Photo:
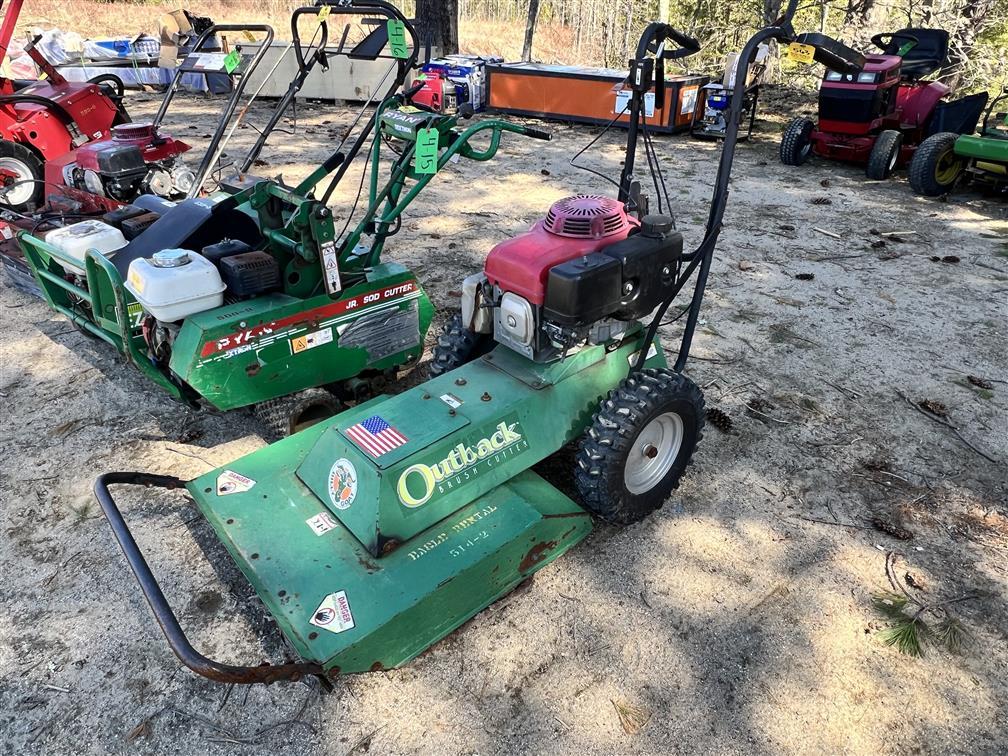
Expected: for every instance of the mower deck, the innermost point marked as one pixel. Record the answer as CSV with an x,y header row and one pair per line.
x,y
396,605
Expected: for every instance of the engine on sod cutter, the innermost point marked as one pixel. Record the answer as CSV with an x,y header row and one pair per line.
x,y
254,297
372,535
879,114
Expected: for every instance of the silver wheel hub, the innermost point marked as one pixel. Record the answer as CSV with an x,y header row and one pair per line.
x,y
653,453
18,193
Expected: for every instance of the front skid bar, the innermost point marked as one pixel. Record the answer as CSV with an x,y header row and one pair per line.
x,y
217,671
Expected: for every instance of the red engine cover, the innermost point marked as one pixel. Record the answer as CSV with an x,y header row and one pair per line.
x,y
575,226
153,146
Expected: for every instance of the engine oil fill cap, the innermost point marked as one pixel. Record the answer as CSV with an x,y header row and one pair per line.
x,y
170,258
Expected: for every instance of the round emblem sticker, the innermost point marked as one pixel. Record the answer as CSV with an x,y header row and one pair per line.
x,y
342,483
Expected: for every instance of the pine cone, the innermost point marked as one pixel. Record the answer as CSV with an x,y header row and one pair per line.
x,y
719,419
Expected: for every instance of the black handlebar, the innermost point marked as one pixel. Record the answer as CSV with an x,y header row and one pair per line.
x,y
180,644
537,134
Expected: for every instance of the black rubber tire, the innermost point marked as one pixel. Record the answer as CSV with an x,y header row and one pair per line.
x,y
33,164
796,143
604,449
924,166
456,346
289,414
884,155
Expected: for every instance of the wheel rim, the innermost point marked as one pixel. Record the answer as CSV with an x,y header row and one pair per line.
x,y
653,453
947,168
893,158
21,193
806,149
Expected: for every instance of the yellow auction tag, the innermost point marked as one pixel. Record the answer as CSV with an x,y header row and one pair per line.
x,y
801,53
323,13
249,36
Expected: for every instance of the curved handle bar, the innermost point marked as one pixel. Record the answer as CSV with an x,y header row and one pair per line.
x,y
353,8
201,41
652,42
296,38
173,632
700,259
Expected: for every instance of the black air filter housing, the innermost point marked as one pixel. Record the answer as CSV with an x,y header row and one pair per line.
x,y
120,214
120,160
136,225
625,280
582,290
227,248
250,273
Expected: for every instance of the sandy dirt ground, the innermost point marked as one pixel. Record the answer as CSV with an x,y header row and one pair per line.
x,y
737,619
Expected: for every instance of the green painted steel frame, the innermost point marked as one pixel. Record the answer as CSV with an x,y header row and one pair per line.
x,y
105,297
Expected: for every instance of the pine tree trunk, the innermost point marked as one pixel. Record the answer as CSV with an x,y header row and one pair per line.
x,y
437,21
530,23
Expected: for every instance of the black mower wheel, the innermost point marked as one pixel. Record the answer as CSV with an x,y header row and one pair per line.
x,y
456,346
639,444
289,414
935,167
796,144
25,192
884,155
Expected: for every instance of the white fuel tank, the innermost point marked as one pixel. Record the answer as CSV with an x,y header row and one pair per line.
x,y
175,283
74,240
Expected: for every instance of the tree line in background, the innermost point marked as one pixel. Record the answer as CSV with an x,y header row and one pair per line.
x,y
604,32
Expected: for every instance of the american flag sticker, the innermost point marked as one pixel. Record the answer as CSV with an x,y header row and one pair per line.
x,y
375,436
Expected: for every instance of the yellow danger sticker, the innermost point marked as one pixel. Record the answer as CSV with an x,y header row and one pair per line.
x,y
801,53
311,340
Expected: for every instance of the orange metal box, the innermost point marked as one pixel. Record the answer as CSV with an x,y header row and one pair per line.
x,y
586,95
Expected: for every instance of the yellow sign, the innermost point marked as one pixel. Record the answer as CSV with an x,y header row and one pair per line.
x,y
299,344
323,13
249,35
801,53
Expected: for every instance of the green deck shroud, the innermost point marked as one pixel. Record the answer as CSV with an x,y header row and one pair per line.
x,y
458,552
982,148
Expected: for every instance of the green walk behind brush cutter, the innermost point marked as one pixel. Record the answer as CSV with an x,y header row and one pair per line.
x,y
253,296
373,534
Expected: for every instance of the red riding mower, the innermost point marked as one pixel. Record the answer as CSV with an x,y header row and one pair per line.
x,y
880,115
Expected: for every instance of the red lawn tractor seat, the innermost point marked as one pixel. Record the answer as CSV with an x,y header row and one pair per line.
x,y
928,55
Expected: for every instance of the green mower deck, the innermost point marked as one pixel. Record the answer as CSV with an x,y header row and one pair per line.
x,y
365,562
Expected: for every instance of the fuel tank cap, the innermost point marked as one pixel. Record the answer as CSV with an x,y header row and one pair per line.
x,y
656,225
170,258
